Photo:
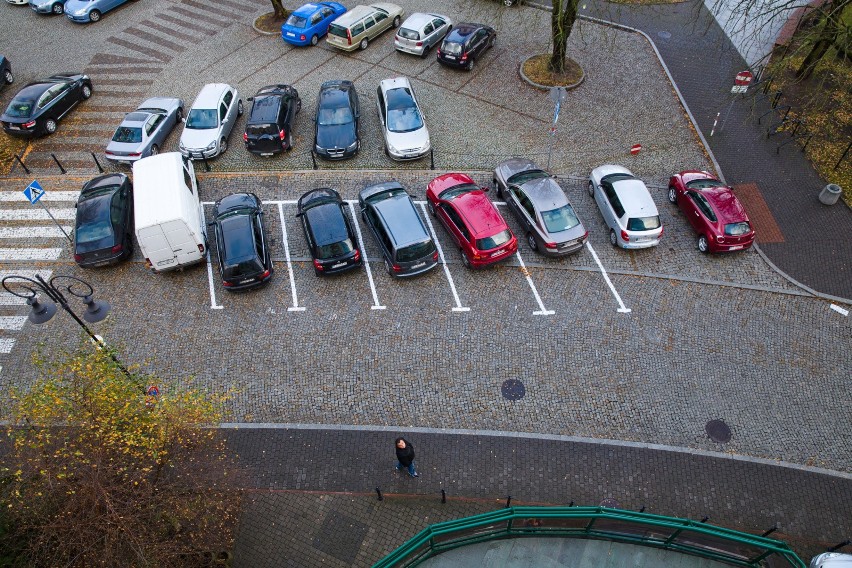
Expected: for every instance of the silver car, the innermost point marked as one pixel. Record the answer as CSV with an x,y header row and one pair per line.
x,y
538,203
143,132
421,32
831,560
210,121
403,126
626,207
48,6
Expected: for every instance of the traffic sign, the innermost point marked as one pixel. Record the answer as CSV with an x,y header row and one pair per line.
x,y
34,192
635,149
742,81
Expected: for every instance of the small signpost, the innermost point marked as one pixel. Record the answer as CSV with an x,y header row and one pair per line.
x,y
558,96
34,193
152,396
742,81
635,149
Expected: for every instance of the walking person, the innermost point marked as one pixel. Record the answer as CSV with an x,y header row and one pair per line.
x,y
405,456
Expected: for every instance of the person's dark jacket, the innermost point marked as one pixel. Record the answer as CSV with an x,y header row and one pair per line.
x,y
406,454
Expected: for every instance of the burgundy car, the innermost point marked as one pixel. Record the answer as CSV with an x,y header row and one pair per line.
x,y
473,222
713,210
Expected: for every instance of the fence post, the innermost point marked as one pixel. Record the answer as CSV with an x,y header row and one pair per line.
x,y
839,545
379,493
55,159
432,158
26,169
705,519
771,530
837,165
642,509
776,98
508,501
443,496
206,163
314,160
97,163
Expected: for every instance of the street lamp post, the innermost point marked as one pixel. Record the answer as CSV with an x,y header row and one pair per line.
x,y
42,312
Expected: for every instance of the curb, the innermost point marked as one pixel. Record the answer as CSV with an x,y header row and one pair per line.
x,y
545,87
260,31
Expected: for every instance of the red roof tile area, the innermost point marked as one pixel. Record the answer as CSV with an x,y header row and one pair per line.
x,y
759,214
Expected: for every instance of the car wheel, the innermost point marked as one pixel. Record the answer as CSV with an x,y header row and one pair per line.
x,y
154,150
496,187
425,52
388,267
430,208
8,77
364,43
289,141
314,41
86,91
508,3
703,245
57,8
50,125
491,41
531,241
240,107
396,22
465,260
129,240
223,145
613,238
179,115
298,106
470,65
591,189
94,16
672,195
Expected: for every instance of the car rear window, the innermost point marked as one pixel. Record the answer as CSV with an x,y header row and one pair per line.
x,y
521,178
643,223
261,129
415,251
296,21
243,268
127,135
20,108
337,30
560,219
334,250
457,190
737,229
408,34
452,48
494,241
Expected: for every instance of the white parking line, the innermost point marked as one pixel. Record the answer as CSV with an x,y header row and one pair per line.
x,y
295,307
376,305
6,346
12,322
622,308
840,310
48,196
35,214
213,304
458,307
8,254
33,232
543,311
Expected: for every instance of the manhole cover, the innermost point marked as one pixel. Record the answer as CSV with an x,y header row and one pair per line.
x,y
513,389
610,503
664,35
718,431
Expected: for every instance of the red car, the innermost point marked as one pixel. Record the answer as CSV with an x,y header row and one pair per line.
x,y
713,210
473,222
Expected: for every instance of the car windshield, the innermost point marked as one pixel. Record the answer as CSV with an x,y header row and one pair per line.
x,y
521,178
297,21
334,250
202,119
494,241
415,251
334,116
643,223
561,219
127,134
403,114
94,227
20,108
737,229
408,34
452,48
456,190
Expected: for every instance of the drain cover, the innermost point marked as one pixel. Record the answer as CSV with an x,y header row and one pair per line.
x,y
513,389
610,503
718,431
664,35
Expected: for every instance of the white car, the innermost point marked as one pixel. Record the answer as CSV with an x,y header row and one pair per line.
x,y
403,126
210,121
831,560
626,206
421,32
18,2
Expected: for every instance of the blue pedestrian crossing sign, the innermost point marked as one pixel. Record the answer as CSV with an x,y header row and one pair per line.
x,y
34,192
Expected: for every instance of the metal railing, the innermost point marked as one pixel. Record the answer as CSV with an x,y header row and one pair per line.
x,y
639,528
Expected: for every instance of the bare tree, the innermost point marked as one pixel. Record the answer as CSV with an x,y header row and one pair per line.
x,y
280,12
828,31
562,20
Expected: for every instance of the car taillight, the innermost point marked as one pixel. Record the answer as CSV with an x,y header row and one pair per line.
x,y
227,284
303,37
419,44
357,256
585,236
439,51
245,136
117,248
463,57
662,230
135,154
396,268
317,264
435,256
282,134
550,245
78,257
29,124
624,236
265,275
200,248
349,36
477,256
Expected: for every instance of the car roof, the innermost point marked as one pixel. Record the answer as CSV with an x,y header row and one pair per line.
x,y
242,246
264,108
545,193
335,95
635,197
725,203
481,215
418,20
210,94
461,31
33,91
307,9
327,223
401,220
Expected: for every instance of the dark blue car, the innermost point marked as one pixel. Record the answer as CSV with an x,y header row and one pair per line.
x,y
310,22
38,107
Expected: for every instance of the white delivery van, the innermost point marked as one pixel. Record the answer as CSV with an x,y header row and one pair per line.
x,y
168,214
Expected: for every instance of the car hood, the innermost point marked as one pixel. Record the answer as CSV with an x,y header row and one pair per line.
x,y
195,138
407,140
336,136
727,206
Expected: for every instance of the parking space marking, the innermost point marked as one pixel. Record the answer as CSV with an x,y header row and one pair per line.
x,y
18,196
33,232
12,322
35,214
213,304
376,305
295,307
839,310
13,254
6,346
542,311
622,308
458,307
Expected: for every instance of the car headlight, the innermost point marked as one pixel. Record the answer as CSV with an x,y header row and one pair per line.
x,y
352,146
181,146
80,12
392,149
211,146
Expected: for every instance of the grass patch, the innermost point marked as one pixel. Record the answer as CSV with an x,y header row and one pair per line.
x,y
269,23
535,68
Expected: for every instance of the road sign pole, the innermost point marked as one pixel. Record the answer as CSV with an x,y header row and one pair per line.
x,y
67,236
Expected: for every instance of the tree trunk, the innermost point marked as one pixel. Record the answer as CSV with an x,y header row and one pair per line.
x,y
561,22
827,36
280,12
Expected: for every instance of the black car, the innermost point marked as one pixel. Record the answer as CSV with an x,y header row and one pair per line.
x,y
465,44
38,107
103,230
6,72
244,257
270,122
337,121
328,232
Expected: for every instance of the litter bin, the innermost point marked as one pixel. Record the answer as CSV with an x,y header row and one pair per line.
x,y
830,194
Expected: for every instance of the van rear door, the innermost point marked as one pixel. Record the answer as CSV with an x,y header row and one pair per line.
x,y
156,248
183,243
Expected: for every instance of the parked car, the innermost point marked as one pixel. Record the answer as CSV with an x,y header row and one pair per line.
x,y
269,128
328,231
534,197
38,107
831,560
421,32
362,24
713,210
89,10
307,24
407,248
6,72
465,44
48,6
144,131
103,228
244,257
210,121
626,206
403,127
337,121
17,2
473,222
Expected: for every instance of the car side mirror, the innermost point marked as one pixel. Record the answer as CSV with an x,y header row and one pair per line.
x,y
250,99
224,120
183,119
298,214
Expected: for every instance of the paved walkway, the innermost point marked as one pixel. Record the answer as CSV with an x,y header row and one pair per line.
x,y
316,504
812,245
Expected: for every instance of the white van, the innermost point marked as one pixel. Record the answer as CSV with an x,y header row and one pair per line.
x,y
168,214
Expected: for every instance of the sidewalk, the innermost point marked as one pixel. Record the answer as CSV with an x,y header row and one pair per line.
x,y
812,244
